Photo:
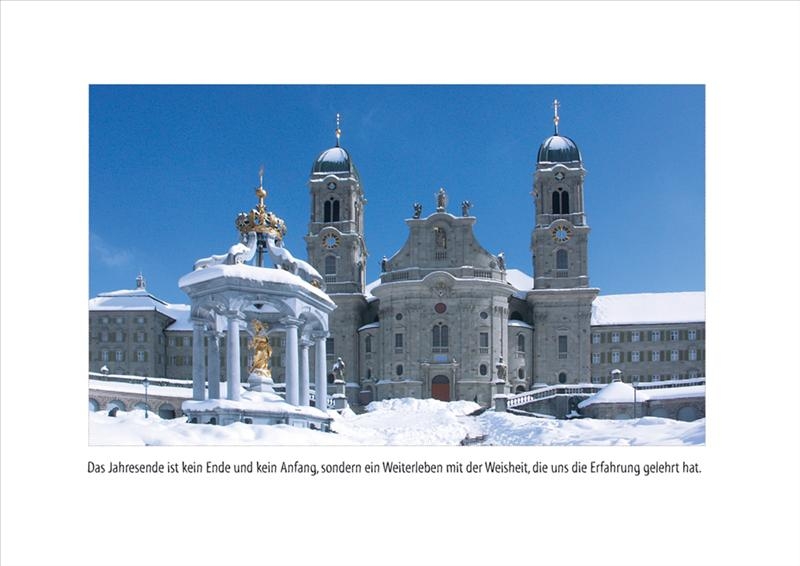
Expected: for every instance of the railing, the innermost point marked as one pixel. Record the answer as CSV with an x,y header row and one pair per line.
x,y
552,391
590,389
329,403
562,272
671,383
138,379
483,273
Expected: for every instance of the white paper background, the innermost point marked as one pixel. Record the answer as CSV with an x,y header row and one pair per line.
x,y
745,509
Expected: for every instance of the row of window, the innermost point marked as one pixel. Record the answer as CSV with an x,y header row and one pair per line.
x,y
692,374
120,320
483,369
616,337
653,356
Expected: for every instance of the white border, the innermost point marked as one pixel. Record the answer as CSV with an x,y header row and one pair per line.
x,y
744,510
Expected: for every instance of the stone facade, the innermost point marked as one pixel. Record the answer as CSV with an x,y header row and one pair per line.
x,y
446,315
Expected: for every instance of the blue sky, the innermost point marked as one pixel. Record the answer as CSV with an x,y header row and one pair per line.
x,y
171,166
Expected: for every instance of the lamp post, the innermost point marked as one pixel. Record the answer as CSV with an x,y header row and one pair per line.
x,y
145,382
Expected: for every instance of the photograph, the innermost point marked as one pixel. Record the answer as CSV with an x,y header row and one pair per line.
x,y
464,264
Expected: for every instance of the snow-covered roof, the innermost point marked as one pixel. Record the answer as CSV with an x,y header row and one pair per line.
x,y
615,392
250,273
520,280
649,308
141,300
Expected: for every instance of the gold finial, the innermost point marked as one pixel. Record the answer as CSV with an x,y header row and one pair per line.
x,y
556,104
260,192
338,129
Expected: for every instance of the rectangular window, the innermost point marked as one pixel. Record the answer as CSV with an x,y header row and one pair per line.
x,y
103,320
614,357
655,356
118,357
674,335
139,320
104,336
656,377
329,347
595,358
674,356
104,355
615,337
118,320
141,356
398,342
596,379
635,378
636,356
693,354
483,342
172,341
693,335
635,336
119,336
693,374
655,336
562,347
595,338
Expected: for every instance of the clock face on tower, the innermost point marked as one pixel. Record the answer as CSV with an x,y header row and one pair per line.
x,y
331,185
561,233
330,241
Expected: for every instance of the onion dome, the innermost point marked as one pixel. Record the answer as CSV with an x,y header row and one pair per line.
x,y
558,149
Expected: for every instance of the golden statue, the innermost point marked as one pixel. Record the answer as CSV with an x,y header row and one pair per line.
x,y
262,351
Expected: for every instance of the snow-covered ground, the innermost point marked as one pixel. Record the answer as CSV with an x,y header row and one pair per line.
x,y
400,422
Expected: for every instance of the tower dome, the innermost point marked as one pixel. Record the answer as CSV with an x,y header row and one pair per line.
x,y
558,149
333,160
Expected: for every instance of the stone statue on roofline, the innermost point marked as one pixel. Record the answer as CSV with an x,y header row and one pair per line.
x,y
465,206
441,200
338,369
417,210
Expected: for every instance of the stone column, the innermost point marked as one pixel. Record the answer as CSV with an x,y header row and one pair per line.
x,y
198,363
213,366
292,370
321,371
305,343
232,361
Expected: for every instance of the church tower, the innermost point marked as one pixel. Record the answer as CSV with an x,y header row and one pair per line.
x,y
561,297
337,249
335,239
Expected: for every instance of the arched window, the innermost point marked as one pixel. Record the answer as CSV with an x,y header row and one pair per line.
x,y
399,369
520,342
335,212
556,203
521,373
564,202
483,369
441,338
330,265
562,259
369,373
562,377
441,238
326,211
368,344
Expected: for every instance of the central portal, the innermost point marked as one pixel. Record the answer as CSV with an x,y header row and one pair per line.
x,y
440,388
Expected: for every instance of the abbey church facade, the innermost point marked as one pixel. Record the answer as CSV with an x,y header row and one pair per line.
x,y
447,317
